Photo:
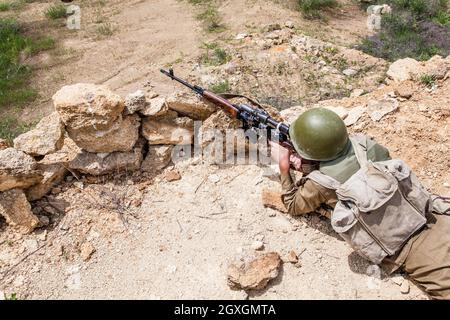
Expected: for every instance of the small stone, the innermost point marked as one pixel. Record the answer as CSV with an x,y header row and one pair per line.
x,y
289,24
156,107
241,36
42,236
255,274
404,69
16,209
86,251
397,279
422,108
31,245
257,245
172,175
18,281
171,269
214,178
377,109
59,250
446,184
404,92
44,221
349,72
357,93
354,115
292,257
272,199
405,287
4,145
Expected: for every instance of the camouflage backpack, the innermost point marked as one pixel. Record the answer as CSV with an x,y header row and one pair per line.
x,y
380,206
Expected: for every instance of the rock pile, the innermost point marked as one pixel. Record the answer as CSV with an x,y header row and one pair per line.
x,y
93,131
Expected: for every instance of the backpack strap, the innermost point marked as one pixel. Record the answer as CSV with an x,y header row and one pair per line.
x,y
359,143
440,205
323,180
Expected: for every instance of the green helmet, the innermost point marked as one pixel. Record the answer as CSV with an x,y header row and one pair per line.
x,y
319,134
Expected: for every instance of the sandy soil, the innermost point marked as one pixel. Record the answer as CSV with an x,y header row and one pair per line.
x,y
155,239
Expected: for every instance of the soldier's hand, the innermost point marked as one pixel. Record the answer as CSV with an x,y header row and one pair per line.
x,y
296,162
281,155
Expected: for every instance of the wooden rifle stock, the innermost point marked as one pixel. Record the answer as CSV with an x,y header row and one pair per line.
x,y
225,104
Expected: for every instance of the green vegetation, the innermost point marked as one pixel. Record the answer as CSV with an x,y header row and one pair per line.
x,y
10,128
209,16
427,80
56,11
5,6
14,47
312,8
214,55
220,87
211,19
416,28
105,29
13,296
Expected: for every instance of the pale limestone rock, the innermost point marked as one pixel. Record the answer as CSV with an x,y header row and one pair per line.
x,y
67,153
168,130
377,109
158,157
272,199
86,251
156,107
16,209
255,274
17,170
53,174
290,114
134,102
100,164
47,137
85,106
404,69
188,104
121,137
353,115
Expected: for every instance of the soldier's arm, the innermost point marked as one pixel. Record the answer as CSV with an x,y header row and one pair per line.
x,y
305,196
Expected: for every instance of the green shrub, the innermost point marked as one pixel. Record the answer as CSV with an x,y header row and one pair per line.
x,y
5,6
211,19
105,29
10,128
214,55
220,87
312,8
56,11
427,80
416,28
14,75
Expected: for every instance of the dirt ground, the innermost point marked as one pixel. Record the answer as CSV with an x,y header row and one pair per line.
x,y
154,239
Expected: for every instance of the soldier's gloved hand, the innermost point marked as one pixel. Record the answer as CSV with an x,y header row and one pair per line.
x,y
280,155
